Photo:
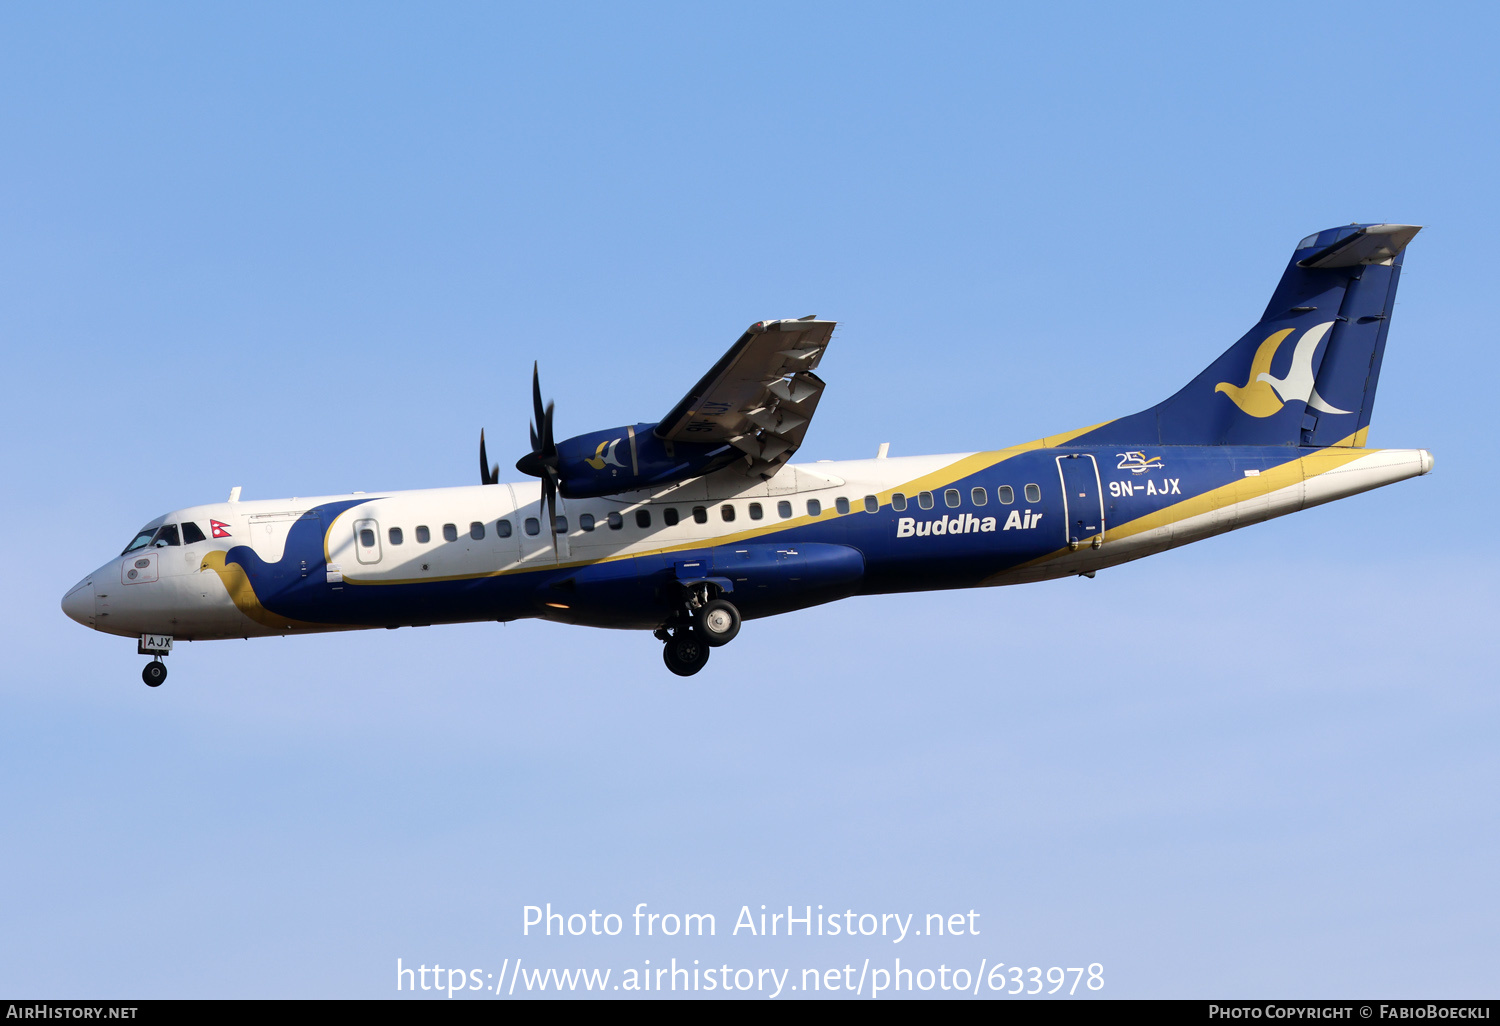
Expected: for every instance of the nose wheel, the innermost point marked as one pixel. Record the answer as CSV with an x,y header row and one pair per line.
x,y
154,673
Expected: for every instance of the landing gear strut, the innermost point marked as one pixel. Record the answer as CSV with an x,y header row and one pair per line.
x,y
154,673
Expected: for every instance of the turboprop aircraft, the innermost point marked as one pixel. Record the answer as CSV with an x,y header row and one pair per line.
x,y
691,524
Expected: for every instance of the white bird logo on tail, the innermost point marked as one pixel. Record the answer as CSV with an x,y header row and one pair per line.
x,y
1298,383
1256,396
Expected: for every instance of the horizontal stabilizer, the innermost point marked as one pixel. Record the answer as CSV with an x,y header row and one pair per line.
x,y
1372,244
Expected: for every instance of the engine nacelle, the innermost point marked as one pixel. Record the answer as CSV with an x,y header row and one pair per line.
x,y
625,458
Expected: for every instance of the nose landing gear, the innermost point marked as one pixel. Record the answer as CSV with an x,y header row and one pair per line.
x,y
155,646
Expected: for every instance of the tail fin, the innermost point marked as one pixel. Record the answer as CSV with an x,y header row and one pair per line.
x,y
1306,374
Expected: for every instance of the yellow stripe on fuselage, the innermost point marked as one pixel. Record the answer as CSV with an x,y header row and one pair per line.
x,y
1289,473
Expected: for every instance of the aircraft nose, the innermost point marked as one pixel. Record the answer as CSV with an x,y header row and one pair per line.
x,y
79,602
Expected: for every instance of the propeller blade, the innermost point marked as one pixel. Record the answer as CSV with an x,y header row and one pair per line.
x,y
549,496
539,415
487,474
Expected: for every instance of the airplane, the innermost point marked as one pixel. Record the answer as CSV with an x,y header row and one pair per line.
x,y
689,526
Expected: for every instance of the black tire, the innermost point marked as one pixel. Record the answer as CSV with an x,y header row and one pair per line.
x,y
685,653
154,673
719,621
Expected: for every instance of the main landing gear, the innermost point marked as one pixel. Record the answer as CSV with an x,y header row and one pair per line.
x,y
704,625
685,651
719,621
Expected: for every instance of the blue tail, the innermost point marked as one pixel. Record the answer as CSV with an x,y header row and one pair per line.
x,y
1306,374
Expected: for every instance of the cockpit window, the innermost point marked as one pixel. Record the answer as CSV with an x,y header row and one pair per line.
x,y
166,535
142,539
192,533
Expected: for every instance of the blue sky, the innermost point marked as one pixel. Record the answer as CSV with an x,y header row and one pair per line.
x,y
307,250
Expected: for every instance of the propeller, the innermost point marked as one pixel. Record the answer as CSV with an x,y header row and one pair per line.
x,y
542,460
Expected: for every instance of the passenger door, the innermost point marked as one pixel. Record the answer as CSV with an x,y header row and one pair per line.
x,y
1083,500
367,542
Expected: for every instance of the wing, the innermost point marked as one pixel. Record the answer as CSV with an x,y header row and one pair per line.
x,y
759,397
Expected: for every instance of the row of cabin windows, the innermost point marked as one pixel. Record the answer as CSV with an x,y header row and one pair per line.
x,y
953,498
615,521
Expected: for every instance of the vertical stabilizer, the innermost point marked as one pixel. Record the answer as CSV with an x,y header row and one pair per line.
x,y
1306,374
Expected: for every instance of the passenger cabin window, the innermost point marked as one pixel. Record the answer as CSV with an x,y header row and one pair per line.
x,y
586,521
784,510
423,535
1007,495
924,499
616,521
191,533
476,531
166,535
872,504
502,528
898,501
669,516
450,532
841,504
951,498
533,526
643,518
396,536
700,514
727,512
756,512
979,495
367,537
560,524
814,508
1033,493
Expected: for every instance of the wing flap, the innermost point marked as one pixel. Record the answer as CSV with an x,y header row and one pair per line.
x,y
759,397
